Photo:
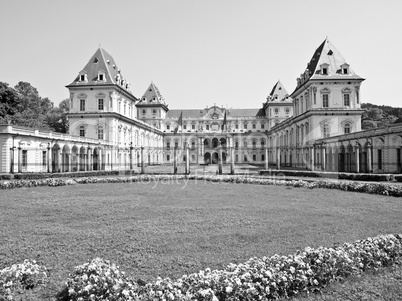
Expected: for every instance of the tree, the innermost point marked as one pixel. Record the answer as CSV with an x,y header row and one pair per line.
x,y
57,117
8,102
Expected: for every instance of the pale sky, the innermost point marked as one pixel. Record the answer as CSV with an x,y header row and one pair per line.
x,y
198,53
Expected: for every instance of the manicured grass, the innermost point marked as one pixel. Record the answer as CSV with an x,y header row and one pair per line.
x,y
171,228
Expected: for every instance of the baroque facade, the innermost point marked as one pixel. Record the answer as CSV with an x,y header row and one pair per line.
x,y
317,126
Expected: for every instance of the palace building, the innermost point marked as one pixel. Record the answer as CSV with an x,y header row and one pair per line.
x,y
317,126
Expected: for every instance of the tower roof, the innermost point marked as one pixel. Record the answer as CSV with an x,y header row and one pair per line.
x,y
152,95
326,56
101,62
278,93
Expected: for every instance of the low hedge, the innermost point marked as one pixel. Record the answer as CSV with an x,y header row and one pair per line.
x,y
372,188
267,278
43,175
333,175
6,176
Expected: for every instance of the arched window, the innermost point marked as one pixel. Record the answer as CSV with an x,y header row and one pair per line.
x,y
347,128
82,131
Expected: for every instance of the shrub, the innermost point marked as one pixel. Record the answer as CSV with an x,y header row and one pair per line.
x,y
100,280
266,278
18,277
5,176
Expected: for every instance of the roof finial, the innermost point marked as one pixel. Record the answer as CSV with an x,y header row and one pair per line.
x,y
99,45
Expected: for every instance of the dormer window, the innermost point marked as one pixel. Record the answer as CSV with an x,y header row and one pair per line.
x,y
83,77
101,76
345,68
324,69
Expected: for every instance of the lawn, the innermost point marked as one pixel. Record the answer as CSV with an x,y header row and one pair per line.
x,y
171,228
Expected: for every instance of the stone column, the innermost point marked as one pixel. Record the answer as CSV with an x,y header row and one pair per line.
x,y
357,157
187,159
312,154
220,159
175,160
278,158
323,164
48,158
142,160
369,159
89,161
19,159
266,159
232,160
12,159
131,157
100,158
68,157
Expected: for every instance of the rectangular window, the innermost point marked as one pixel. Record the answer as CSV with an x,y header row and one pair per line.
x,y
82,104
176,144
193,144
44,158
100,104
207,127
167,145
262,157
167,157
24,158
193,126
82,132
237,144
325,100
237,158
398,157
101,77
184,127
236,126
245,126
168,127
262,126
379,154
254,126
346,100
71,104
124,112
245,158
100,133
254,157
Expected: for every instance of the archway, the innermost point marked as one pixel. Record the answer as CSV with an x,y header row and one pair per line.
x,y
207,158
223,142
56,158
341,159
82,158
95,159
206,143
215,158
66,158
223,157
215,143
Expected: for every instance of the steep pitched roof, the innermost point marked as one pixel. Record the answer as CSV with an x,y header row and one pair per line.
x,y
152,95
278,93
189,113
101,61
326,54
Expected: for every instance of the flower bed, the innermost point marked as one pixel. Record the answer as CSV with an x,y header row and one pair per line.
x,y
333,175
372,188
266,278
20,277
